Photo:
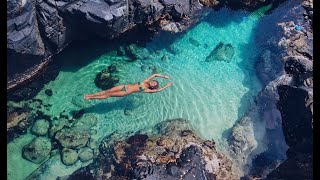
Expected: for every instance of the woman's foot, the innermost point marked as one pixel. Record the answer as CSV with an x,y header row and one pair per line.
x,y
86,97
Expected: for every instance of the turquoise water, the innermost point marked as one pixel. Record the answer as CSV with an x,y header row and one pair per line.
x,y
211,95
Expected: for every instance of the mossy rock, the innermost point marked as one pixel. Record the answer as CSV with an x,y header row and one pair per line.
x,y
40,127
85,154
37,150
69,156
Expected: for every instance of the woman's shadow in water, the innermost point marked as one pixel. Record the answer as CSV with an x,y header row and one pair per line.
x,y
106,107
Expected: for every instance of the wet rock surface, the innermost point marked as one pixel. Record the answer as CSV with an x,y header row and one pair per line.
x,y
46,27
295,105
292,92
174,152
285,67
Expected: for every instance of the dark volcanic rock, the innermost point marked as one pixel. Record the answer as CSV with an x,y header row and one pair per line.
x,y
296,111
250,4
22,29
163,156
36,30
296,99
294,105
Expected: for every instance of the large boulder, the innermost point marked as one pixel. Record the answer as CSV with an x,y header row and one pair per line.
x,y
295,105
40,127
69,156
72,138
37,150
222,52
298,65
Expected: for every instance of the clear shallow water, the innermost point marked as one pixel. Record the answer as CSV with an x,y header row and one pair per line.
x,y
212,95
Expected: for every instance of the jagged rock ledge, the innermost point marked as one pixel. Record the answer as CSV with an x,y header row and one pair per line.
x,y
174,152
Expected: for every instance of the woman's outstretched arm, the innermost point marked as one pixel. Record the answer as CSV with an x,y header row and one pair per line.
x,y
155,75
158,90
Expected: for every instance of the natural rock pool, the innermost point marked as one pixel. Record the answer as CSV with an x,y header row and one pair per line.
x,y
211,92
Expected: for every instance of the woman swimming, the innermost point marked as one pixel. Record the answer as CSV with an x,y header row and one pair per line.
x,y
146,86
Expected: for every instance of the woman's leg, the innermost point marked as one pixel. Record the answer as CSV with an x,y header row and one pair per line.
x,y
111,94
103,93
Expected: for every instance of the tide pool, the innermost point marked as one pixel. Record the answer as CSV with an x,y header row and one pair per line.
x,y
211,95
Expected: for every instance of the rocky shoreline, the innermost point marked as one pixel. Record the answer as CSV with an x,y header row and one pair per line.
x,y
37,30
175,152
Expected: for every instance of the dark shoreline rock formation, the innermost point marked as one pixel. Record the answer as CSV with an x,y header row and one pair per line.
x,y
285,68
37,30
173,153
293,92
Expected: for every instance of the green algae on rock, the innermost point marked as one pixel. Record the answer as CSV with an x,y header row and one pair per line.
x,y
69,156
40,127
37,150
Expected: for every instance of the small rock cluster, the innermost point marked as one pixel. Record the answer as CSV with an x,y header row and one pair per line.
x,y
72,139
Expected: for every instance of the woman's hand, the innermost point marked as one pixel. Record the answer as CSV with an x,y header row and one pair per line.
x,y
169,84
167,77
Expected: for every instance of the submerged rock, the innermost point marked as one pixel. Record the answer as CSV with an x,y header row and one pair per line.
x,y
134,52
167,155
194,42
105,79
57,125
72,138
222,52
85,154
40,127
48,92
86,122
165,58
37,150
69,156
